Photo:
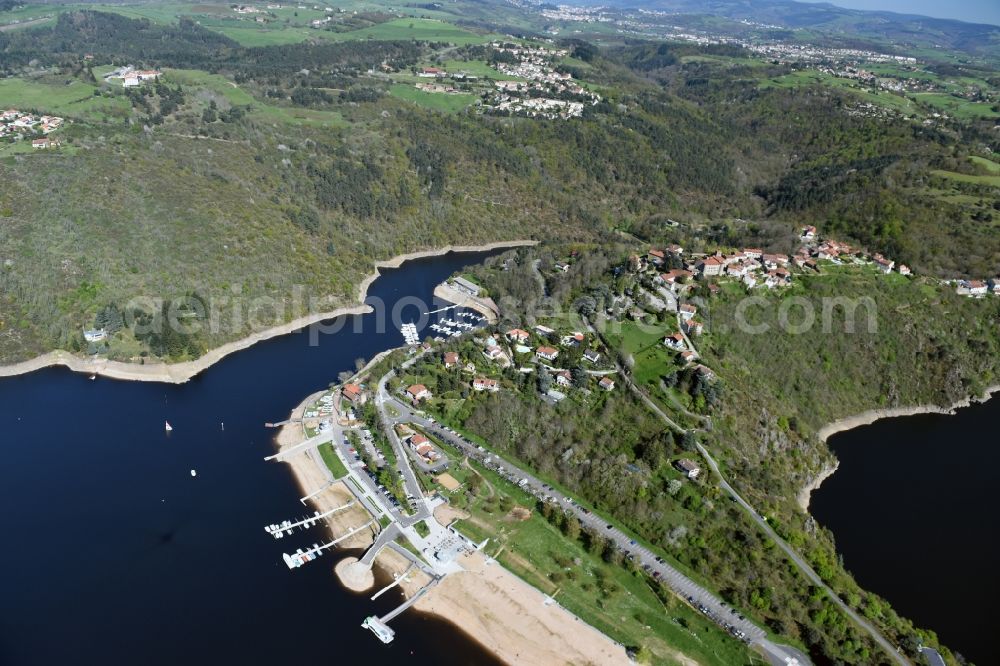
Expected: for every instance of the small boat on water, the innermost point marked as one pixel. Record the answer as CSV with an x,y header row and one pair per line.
x,y
93,377
167,426
194,473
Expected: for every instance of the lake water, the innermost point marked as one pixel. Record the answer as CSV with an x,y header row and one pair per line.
x,y
112,553
913,508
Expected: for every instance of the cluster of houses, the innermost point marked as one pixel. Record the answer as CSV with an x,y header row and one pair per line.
x,y
815,248
544,92
16,124
756,268
438,88
978,288
131,77
751,266
518,344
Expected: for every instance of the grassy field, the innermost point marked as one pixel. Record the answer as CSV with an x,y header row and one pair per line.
x,y
473,67
989,165
417,29
253,36
956,106
69,99
216,83
644,343
437,101
811,77
332,461
622,604
992,181
236,96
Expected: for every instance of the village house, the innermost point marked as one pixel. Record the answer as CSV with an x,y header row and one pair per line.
x,y
736,270
655,257
493,353
753,253
734,258
592,356
606,383
547,353
564,378
675,341
994,285
636,263
688,467
485,384
710,266
977,288
714,289
450,359
353,394
808,232
518,335
687,311
705,371
693,327
41,143
418,392
675,249
884,265
432,72
772,261
572,340
674,276
688,356
423,448
903,269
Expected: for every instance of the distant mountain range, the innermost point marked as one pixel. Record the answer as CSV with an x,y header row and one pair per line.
x,y
903,30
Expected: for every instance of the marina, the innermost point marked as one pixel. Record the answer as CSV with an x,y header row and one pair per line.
x,y
286,527
300,557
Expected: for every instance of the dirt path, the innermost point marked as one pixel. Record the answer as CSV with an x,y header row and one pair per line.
x,y
488,485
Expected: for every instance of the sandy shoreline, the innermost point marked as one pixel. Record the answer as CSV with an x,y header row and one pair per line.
x,y
488,603
807,490
178,373
873,415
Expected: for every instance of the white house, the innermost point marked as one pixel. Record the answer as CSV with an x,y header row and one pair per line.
x,y
547,353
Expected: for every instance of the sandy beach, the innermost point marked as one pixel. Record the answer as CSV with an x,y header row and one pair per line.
x,y
490,604
178,373
509,618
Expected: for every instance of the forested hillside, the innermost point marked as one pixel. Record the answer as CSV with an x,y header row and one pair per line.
x,y
302,159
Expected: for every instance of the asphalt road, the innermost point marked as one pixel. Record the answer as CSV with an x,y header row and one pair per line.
x,y
697,596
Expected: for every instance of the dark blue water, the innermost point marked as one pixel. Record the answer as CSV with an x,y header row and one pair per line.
x,y
112,553
913,509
